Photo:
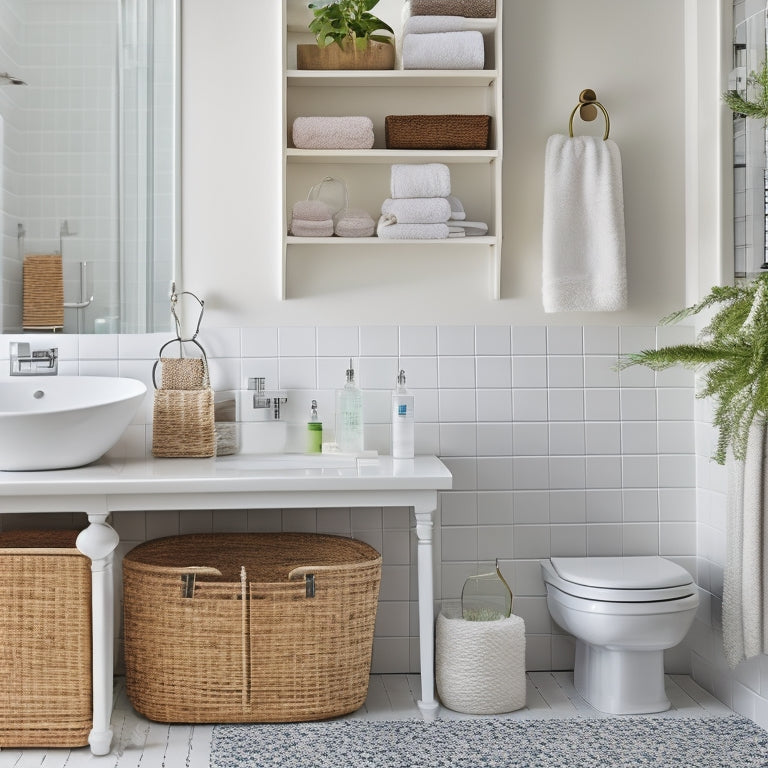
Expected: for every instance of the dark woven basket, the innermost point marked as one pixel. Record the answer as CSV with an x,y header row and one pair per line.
x,y
437,131
45,630
223,628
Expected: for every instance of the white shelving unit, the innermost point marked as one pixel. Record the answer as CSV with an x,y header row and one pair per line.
x,y
475,174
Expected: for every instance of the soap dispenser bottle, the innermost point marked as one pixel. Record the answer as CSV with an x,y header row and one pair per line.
x,y
402,420
349,415
314,431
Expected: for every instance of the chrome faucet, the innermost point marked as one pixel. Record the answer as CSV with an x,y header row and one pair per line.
x,y
264,399
28,362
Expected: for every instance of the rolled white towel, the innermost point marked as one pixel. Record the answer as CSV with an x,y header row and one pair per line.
x,y
420,25
333,133
416,210
444,50
421,180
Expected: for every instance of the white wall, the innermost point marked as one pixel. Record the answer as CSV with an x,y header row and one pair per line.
x,y
553,49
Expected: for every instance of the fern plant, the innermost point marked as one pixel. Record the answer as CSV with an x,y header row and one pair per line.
x,y
338,20
732,354
757,108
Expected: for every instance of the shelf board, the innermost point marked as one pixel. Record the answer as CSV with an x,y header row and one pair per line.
x,y
391,77
377,242
384,156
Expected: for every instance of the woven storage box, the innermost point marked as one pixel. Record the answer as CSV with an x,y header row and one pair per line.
x,y
45,640
222,627
437,131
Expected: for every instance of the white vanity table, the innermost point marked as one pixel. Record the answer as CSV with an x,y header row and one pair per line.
x,y
230,482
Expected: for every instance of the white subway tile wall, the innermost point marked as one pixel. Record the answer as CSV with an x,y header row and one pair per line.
x,y
552,453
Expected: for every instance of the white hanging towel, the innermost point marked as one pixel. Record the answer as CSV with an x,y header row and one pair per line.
x,y
584,251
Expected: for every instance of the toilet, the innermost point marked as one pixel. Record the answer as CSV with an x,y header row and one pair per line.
x,y
623,612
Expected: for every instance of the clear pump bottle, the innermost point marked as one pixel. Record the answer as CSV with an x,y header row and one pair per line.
x,y
402,421
349,415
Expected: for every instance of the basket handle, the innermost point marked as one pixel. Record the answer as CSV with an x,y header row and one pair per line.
x,y
303,570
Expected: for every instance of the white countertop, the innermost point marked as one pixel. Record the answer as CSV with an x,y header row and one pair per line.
x,y
241,473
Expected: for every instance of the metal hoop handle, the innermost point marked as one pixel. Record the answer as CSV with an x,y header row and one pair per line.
x,y
586,107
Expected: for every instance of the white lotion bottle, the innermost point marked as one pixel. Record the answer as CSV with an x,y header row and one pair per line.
x,y
402,421
349,415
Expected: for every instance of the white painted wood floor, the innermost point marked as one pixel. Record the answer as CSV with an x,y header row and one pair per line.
x,y
139,743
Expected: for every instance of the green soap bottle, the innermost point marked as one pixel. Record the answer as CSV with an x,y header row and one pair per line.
x,y
314,432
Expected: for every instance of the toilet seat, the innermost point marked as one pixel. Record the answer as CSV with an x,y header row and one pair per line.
x,y
619,579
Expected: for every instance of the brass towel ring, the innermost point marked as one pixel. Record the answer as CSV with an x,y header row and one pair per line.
x,y
587,111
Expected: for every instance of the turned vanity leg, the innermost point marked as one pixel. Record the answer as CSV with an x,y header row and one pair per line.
x,y
424,514
98,542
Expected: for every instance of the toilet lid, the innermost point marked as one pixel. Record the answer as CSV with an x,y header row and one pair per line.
x,y
619,579
622,572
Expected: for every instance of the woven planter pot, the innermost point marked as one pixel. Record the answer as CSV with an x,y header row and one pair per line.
x,y
375,56
480,665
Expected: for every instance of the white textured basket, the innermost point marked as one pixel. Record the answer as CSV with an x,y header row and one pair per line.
x,y
480,665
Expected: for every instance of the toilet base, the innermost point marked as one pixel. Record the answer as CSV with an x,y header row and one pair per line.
x,y
620,682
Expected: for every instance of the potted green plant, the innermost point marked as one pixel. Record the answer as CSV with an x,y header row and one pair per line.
x,y
732,354
348,37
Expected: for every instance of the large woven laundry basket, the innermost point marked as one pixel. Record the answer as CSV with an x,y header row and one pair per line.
x,y
45,640
249,627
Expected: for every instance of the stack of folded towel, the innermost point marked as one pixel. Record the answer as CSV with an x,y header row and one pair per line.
x,y
418,208
441,42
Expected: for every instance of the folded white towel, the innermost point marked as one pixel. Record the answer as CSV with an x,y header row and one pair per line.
x,y
388,231
470,228
457,209
420,25
584,261
444,50
416,210
420,180
332,133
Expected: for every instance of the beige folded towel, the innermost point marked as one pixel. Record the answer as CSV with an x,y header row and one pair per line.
x,y
43,292
354,222
312,210
302,228
332,133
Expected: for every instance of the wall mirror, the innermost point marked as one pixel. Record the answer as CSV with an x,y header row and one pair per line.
x,y
750,182
89,164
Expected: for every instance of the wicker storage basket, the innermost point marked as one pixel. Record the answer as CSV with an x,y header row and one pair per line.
x,y
249,627
45,640
437,131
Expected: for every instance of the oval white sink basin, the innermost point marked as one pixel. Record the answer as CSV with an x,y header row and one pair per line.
x,y
63,421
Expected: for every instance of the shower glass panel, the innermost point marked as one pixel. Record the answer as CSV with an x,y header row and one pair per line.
x,y
90,157
147,75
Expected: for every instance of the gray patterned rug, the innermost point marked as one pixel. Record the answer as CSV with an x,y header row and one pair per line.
x,y
626,742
